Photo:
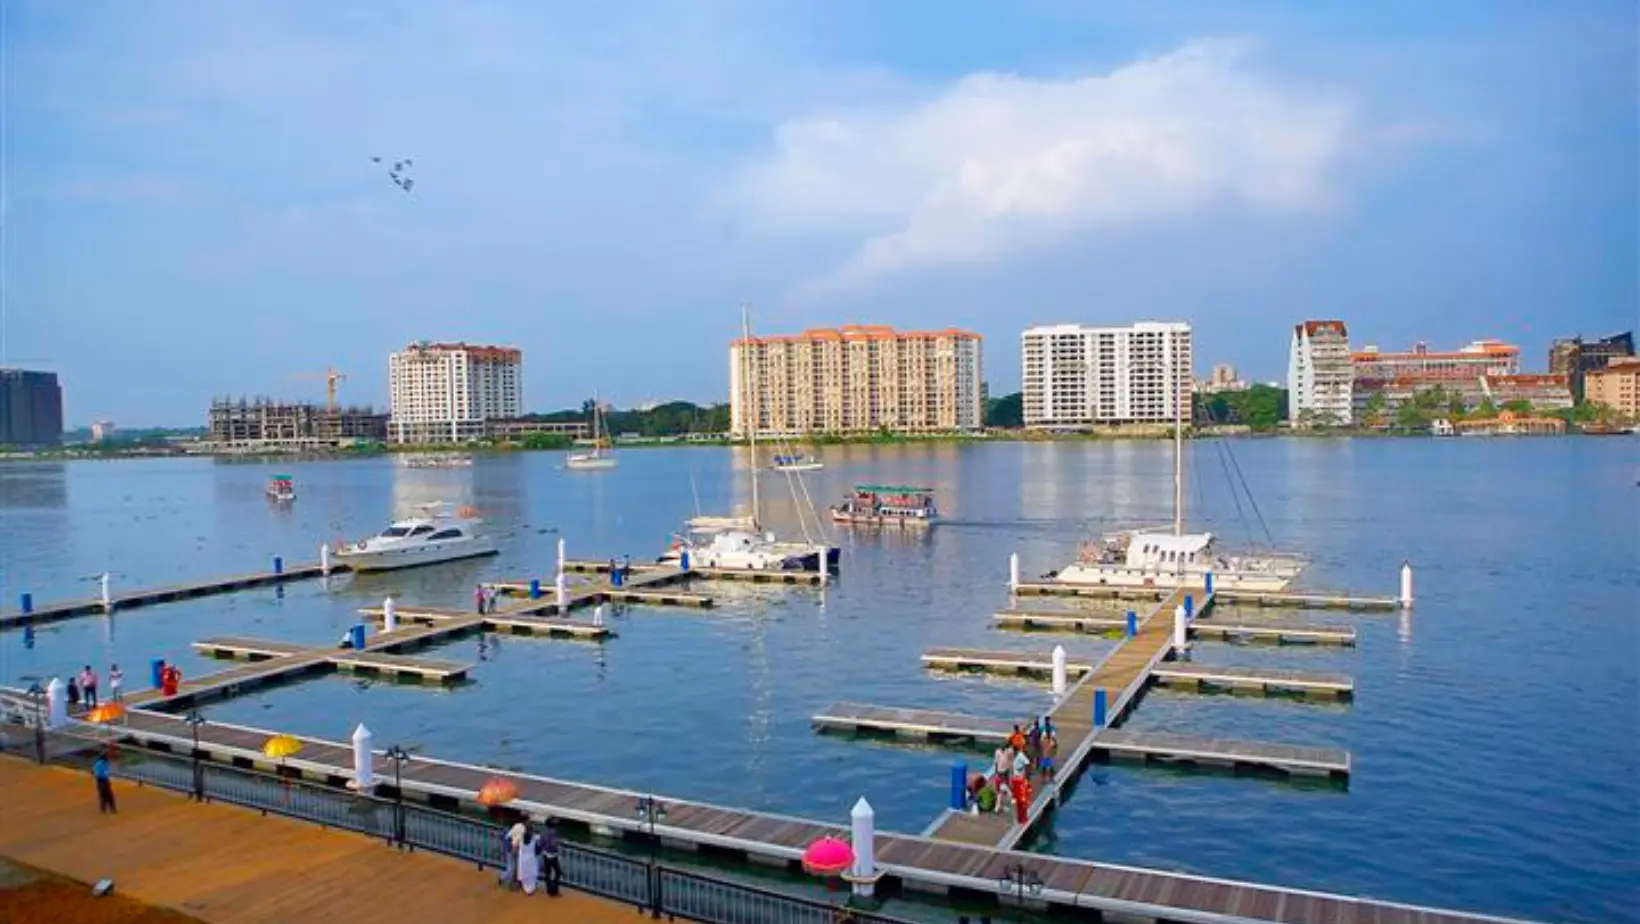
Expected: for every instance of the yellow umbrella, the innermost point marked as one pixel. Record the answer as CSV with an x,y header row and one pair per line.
x,y
281,746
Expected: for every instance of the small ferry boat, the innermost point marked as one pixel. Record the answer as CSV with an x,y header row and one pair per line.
x,y
434,536
887,505
797,463
439,461
281,489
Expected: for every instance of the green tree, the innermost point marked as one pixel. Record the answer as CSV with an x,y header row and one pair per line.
x,y
1409,416
1518,406
1486,410
1006,411
545,441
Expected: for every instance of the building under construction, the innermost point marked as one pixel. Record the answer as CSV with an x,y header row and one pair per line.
x,y
264,422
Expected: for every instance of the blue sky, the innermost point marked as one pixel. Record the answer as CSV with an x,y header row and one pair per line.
x,y
190,207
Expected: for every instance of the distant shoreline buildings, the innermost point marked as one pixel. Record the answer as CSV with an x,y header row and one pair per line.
x,y
856,379
31,409
266,423
1320,375
1077,377
449,392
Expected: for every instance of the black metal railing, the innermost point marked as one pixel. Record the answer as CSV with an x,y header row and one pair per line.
x,y
680,893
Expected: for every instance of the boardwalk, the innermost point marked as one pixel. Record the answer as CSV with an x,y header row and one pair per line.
x,y
1211,629
1282,599
1253,679
225,865
149,596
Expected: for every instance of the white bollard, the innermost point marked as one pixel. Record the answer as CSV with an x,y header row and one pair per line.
x,y
1406,585
598,615
1013,571
825,564
56,703
864,873
1059,682
107,598
364,774
563,592
561,555
390,615
324,559
1181,630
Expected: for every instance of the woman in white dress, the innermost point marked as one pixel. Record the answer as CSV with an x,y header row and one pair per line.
x,y
529,863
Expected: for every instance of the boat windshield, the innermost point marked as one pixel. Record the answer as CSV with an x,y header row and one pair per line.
x,y
395,532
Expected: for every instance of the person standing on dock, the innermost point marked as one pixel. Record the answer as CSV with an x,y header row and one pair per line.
x,y
529,862
88,687
479,598
549,857
105,787
73,692
116,683
170,679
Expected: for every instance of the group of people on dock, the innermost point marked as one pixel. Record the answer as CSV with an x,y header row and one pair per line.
x,y
1026,756
484,599
82,687
531,855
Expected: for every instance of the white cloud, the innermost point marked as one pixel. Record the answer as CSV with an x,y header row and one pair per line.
x,y
998,163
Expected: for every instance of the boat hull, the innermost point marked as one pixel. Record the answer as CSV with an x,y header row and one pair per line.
x,y
1136,579
800,467
845,518
392,559
589,463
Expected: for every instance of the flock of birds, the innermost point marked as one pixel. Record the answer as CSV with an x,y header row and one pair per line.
x,y
398,173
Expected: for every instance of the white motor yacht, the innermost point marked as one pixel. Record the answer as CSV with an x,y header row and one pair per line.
x,y
433,537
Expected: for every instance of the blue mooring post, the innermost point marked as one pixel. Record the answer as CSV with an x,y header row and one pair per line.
x,y
156,668
535,588
683,561
278,565
1189,607
356,636
1210,583
1133,623
959,786
615,576
26,603
1099,708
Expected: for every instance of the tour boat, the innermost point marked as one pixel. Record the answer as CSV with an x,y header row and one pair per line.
x,y
596,460
882,505
440,461
797,463
432,537
281,489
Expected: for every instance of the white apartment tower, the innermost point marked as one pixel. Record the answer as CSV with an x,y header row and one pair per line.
x,y
444,392
1077,376
1320,375
856,379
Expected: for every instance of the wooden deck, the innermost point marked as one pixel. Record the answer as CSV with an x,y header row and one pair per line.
x,y
921,724
641,574
1317,600
224,865
1203,676
168,593
1105,624
508,619
917,863
1060,620
251,649
1001,662
1219,752
429,670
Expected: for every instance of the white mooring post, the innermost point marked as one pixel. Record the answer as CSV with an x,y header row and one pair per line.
x,y
1406,585
598,615
1181,630
1059,682
364,775
1013,571
563,592
561,556
107,598
390,616
324,559
864,873
56,703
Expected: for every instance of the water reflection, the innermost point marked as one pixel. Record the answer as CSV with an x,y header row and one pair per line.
x,y
33,486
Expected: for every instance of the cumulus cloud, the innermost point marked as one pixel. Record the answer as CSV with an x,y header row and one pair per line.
x,y
998,163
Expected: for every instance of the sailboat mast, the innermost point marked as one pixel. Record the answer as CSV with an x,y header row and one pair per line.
x,y
1178,451
746,367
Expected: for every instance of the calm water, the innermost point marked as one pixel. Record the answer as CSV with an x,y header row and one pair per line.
x,y
1494,731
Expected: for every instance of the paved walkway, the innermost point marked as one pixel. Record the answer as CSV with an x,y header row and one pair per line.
x,y
226,865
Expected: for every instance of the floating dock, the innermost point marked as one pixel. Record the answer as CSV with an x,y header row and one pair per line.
x,y
1252,679
1057,620
1277,633
1306,601
29,614
1000,662
400,667
510,620
653,575
249,649
1070,887
604,593
919,724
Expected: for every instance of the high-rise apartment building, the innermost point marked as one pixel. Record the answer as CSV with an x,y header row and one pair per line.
x,y
1575,357
1320,375
1616,385
444,392
1076,376
856,379
31,408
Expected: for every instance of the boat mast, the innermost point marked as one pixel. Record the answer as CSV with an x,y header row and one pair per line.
x,y
749,395
1178,449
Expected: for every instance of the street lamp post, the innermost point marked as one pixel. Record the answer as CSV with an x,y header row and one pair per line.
x,y
651,810
195,720
1020,879
398,756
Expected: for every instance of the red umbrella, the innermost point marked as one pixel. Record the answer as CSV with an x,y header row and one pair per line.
x,y
497,791
827,856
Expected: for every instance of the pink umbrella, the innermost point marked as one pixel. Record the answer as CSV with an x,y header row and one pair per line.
x,y
827,856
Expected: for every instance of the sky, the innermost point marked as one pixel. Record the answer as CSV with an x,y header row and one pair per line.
x,y
191,206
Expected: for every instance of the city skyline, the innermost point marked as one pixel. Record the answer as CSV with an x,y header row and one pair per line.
x,y
195,183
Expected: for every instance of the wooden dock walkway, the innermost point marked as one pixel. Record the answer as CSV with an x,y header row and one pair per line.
x,y
428,670
1252,679
1162,747
1286,599
167,593
917,863
507,619
224,865
1001,662
594,594
653,574
1277,633
250,649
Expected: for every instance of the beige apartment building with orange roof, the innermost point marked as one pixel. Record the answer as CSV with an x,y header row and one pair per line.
x,y
856,379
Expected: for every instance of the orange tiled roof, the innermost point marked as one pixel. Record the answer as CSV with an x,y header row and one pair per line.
x,y
858,332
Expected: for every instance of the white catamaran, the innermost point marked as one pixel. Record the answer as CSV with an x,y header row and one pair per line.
x,y
1157,557
597,460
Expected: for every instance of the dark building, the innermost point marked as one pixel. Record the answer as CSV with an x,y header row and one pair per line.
x,y
1575,357
31,408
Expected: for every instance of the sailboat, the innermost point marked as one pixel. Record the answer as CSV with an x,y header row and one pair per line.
x,y
740,542
597,460
1157,557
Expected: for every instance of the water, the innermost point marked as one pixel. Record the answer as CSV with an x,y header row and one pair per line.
x,y
1493,731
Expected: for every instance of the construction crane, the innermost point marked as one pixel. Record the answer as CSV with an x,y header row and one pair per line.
x,y
332,378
